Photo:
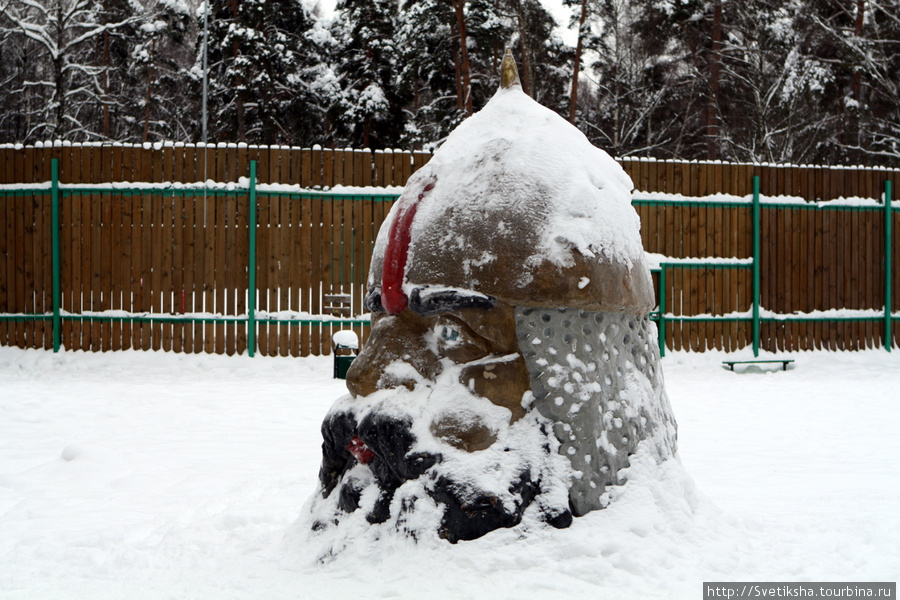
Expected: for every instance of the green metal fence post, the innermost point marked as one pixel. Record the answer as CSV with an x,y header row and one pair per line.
x,y
888,340
54,236
756,265
662,310
251,304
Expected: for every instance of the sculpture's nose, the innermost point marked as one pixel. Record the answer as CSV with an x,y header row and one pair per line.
x,y
395,339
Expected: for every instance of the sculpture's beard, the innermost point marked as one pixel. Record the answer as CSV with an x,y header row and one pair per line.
x,y
438,457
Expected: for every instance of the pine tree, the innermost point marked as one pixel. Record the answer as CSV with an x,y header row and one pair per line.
x,y
368,111
259,60
426,78
157,62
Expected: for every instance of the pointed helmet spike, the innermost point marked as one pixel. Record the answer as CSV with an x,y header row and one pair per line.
x,y
509,75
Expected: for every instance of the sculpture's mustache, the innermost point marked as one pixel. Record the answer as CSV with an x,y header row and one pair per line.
x,y
377,453
380,442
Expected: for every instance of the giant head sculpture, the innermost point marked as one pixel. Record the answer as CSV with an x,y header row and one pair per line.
x,y
512,370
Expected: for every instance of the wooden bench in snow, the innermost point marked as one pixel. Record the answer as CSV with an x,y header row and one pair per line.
x,y
784,362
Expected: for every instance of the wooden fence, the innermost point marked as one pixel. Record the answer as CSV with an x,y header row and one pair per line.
x,y
167,267
821,269
316,167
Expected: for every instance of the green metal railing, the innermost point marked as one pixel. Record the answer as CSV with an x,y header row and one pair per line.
x,y
755,319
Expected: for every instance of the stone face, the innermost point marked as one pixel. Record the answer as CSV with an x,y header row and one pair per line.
x,y
512,371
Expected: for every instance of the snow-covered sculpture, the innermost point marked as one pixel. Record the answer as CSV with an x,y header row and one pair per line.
x,y
512,369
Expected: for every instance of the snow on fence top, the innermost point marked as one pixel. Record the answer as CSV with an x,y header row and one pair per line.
x,y
627,159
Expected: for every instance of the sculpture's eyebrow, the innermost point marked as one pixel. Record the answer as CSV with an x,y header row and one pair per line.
x,y
429,301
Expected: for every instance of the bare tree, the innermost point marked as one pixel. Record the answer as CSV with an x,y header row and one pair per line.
x,y
66,81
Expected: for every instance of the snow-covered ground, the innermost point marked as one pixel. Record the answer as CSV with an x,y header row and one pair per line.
x,y
155,475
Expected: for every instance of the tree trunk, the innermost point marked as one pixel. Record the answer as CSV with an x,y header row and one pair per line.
x,y
527,73
149,94
106,127
573,99
460,92
853,130
712,118
239,100
464,57
59,76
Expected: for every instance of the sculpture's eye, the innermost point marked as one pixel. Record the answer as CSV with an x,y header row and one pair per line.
x,y
449,334
458,342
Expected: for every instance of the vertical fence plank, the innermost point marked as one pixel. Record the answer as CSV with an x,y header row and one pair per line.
x,y
826,277
241,259
294,252
6,257
368,243
116,242
274,243
40,240
226,262
126,235
96,253
401,168
856,264
732,303
209,270
316,167
305,268
15,227
262,268
331,271
105,227
178,264
722,277
198,268
231,264
826,291
26,330
784,267
85,258
136,299
167,280
220,287
287,333
156,268
66,266
316,276
15,273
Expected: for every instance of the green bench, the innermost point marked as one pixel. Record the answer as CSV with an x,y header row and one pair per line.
x,y
784,362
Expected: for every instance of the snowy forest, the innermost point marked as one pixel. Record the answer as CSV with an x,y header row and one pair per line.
x,y
801,81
